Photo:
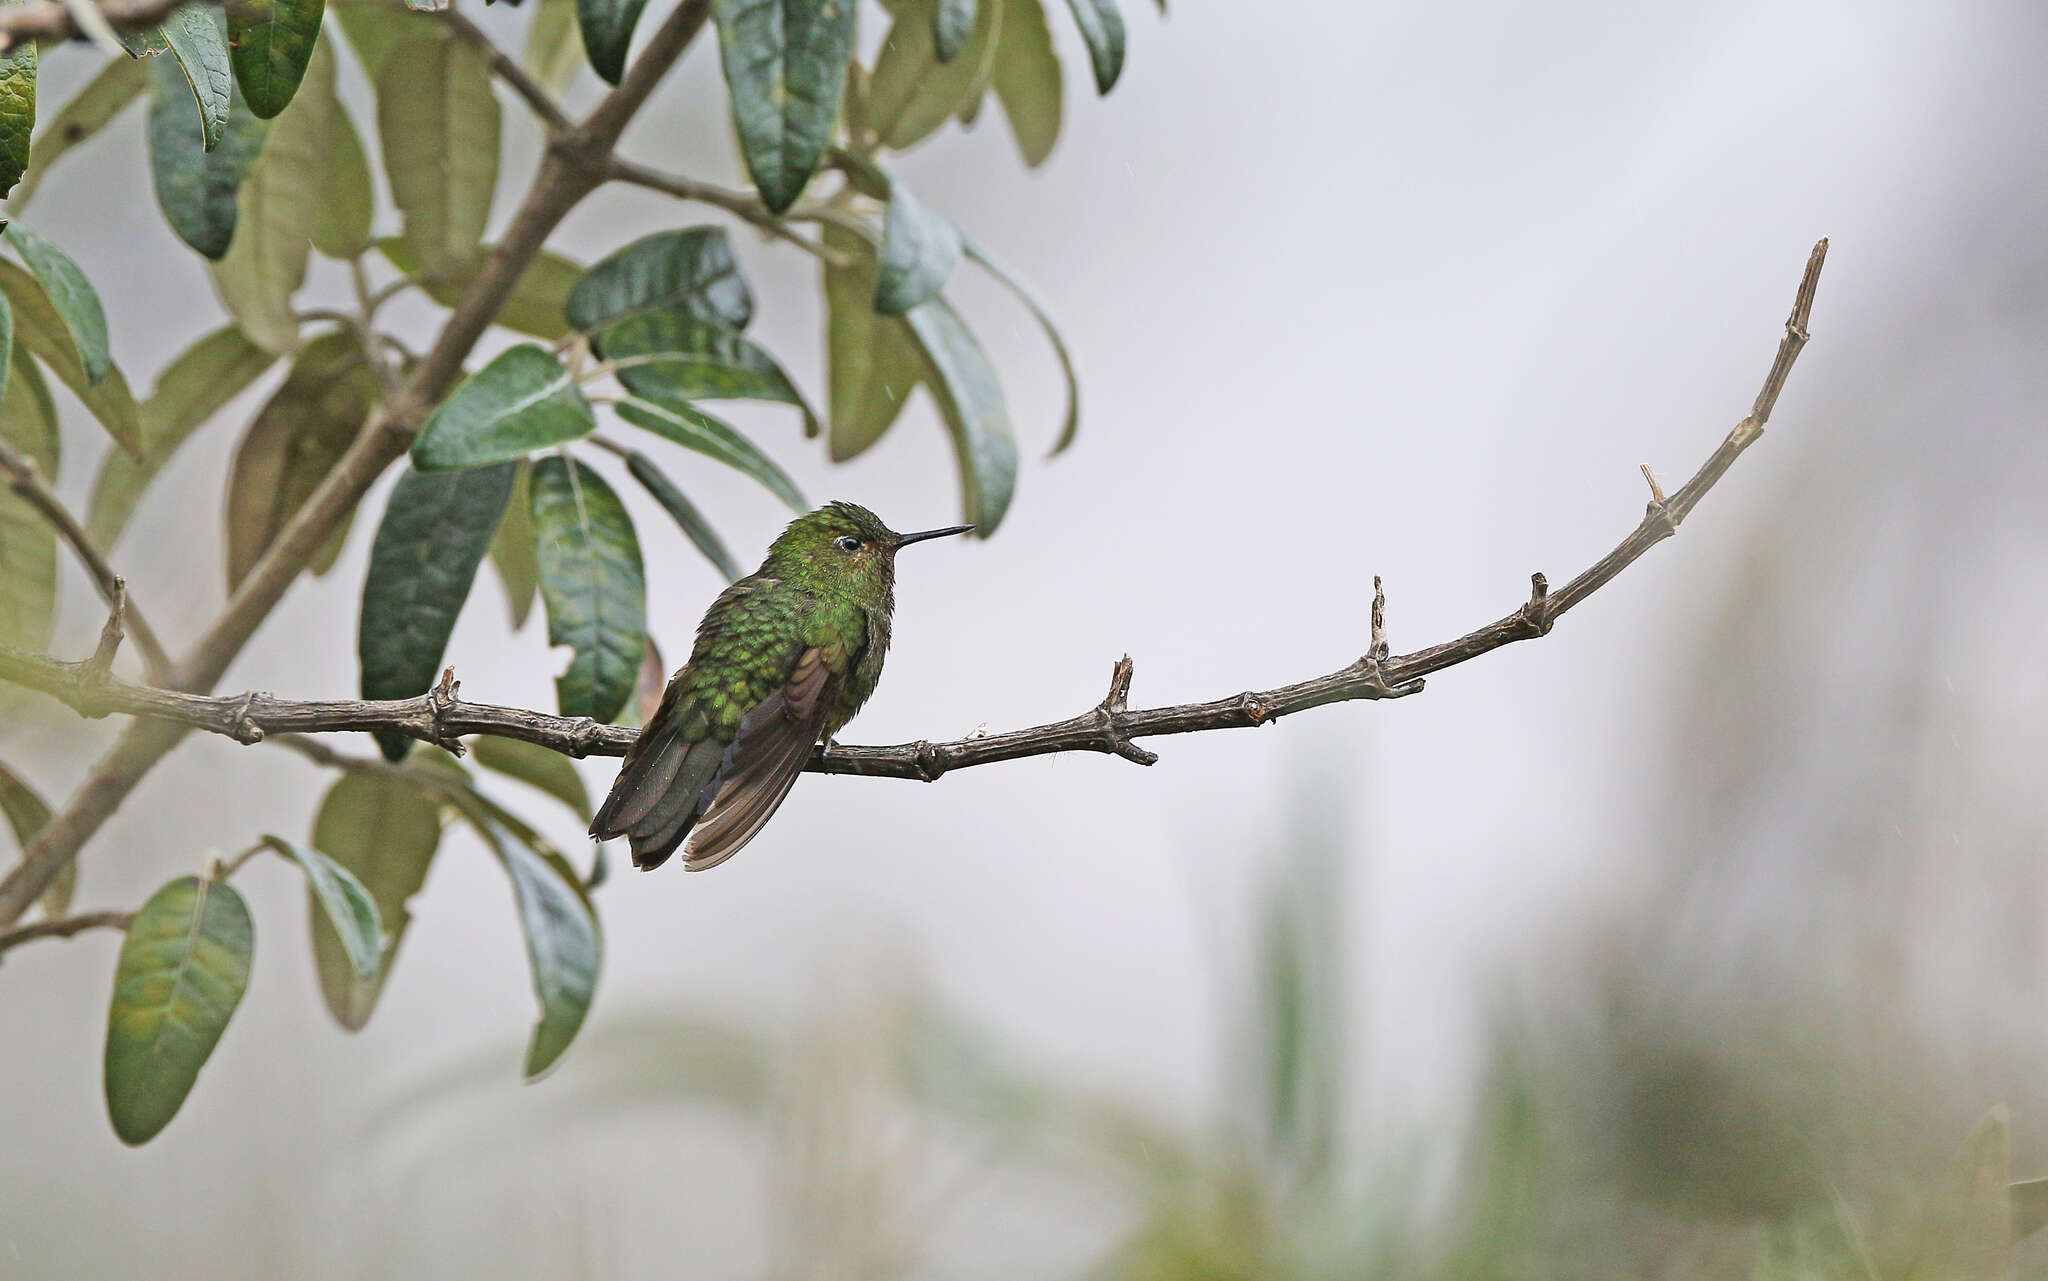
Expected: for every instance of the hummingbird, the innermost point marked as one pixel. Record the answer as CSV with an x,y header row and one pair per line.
x,y
784,657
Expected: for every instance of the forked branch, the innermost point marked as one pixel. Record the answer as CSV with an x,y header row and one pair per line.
x,y
1109,727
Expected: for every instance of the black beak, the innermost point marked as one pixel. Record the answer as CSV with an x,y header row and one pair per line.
x,y
907,539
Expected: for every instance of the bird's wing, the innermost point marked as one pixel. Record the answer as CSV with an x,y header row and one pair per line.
x,y
760,767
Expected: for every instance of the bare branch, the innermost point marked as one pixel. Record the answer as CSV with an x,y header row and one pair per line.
x,y
740,204
53,20
1108,727
507,68
21,475
65,927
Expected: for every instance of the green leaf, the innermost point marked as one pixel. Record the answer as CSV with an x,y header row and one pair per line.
x,y
874,361
296,439
90,110
563,946
373,30
1027,79
275,218
384,830
536,306
665,356
191,389
27,813
785,69
692,428
434,534
691,272
1071,425
1967,1231
698,530
2029,1208
971,402
952,21
73,297
591,579
535,766
912,92
272,42
513,553
607,27
919,252
554,49
348,203
196,187
28,546
439,123
17,111
1102,30
182,972
200,44
341,898
522,401
39,327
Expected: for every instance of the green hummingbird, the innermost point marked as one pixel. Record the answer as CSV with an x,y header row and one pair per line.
x,y
784,657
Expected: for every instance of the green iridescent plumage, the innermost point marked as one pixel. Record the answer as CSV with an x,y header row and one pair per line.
x,y
784,658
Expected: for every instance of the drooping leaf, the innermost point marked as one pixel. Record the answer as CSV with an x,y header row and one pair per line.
x,y
1071,425
691,272
336,894
27,813
919,252
535,766
274,216
199,43
1968,1226
607,27
952,21
272,42
295,440
1027,79
28,546
912,92
698,530
439,123
73,297
971,402
563,945
182,972
384,830
191,389
143,42
1102,30
874,361
785,70
120,82
554,48
536,306
591,579
17,111
435,531
40,328
197,187
522,401
2029,1208
373,30
664,356
513,553
692,428
348,203
653,682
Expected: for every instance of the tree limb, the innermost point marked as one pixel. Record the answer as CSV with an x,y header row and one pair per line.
x,y
65,927
572,167
1110,727
53,20
21,475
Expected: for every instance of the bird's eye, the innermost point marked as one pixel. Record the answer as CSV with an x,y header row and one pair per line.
x,y
847,543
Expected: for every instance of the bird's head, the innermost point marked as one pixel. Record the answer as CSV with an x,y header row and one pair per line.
x,y
842,551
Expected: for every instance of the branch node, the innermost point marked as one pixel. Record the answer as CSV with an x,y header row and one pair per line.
x,y
1254,709
94,670
243,728
1535,613
1112,707
930,763
442,700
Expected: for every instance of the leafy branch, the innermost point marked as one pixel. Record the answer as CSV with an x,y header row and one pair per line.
x,y
440,717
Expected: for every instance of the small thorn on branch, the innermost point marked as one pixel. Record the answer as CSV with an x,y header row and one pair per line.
x,y
1375,685
1113,705
1379,651
1536,610
1656,490
94,670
